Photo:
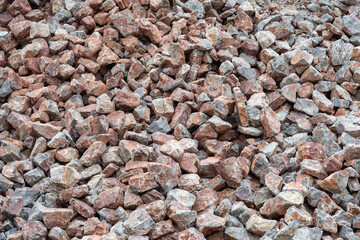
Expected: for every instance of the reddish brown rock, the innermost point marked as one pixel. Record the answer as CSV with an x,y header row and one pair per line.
x,y
232,170
161,229
312,150
66,154
188,163
240,103
57,217
208,223
165,175
278,205
106,56
93,227
93,153
21,29
163,107
142,182
352,152
207,167
126,101
82,208
206,201
110,198
335,182
156,210
313,168
73,192
150,30
334,163
34,230
243,21
270,121
45,130
12,206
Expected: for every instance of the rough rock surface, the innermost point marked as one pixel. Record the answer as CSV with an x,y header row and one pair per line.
x,y
179,119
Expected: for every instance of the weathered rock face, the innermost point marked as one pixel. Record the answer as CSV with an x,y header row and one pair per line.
x,y
198,119
259,226
139,223
57,217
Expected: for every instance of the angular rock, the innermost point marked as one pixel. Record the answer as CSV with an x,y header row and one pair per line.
x,y
270,121
340,52
208,224
93,153
259,225
139,223
57,217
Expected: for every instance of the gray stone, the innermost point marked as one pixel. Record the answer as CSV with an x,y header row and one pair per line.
x,y
325,221
348,124
355,40
203,45
236,233
118,229
240,62
238,208
223,208
261,195
44,161
160,125
90,171
308,233
195,7
33,176
251,131
183,197
181,215
340,52
340,103
351,25
348,233
300,215
269,149
28,195
325,86
39,30
323,103
57,233
288,231
289,92
36,212
139,223
326,18
247,74
346,138
189,145
307,106
305,26
259,164
5,89
313,168
253,115
209,223
313,7
265,38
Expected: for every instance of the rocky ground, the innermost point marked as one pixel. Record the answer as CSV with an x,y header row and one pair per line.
x,y
179,120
